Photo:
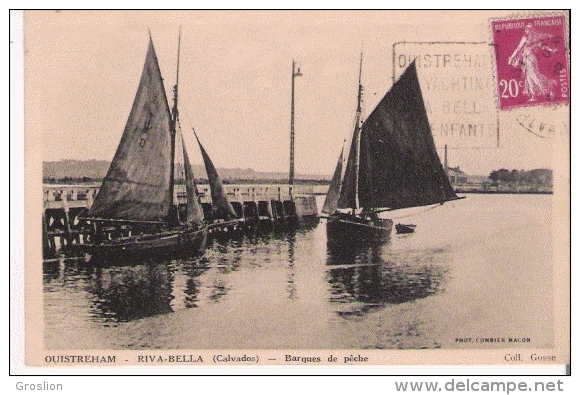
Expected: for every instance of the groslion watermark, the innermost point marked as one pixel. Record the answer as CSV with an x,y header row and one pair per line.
x,y
44,386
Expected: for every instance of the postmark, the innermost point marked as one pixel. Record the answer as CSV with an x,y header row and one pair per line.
x,y
541,128
531,61
458,89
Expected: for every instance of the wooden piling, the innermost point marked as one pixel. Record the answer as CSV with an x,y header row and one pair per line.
x,y
269,204
47,251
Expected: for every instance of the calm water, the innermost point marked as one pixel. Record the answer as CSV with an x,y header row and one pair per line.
x,y
479,267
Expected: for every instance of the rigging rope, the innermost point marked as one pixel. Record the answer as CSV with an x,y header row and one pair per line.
x,y
420,212
188,118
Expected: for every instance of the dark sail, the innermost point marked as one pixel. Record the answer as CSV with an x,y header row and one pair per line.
x,y
221,206
399,165
348,190
138,181
331,201
194,210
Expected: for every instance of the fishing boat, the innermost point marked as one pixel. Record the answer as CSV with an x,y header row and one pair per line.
x,y
223,216
392,164
135,210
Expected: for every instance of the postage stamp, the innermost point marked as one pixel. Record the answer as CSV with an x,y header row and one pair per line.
x,y
531,61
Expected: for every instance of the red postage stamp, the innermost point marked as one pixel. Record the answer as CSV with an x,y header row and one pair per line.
x,y
531,61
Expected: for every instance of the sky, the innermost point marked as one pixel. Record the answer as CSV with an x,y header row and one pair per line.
x,y
82,70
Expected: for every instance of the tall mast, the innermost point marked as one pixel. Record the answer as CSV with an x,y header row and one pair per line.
x,y
175,114
291,174
357,129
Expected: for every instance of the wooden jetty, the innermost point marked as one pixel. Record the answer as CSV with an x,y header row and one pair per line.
x,y
65,206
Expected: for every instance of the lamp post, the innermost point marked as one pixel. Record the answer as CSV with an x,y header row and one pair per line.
x,y
295,73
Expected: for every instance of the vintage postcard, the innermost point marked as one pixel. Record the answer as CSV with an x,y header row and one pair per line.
x,y
296,188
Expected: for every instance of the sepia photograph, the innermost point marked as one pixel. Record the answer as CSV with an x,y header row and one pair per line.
x,y
296,187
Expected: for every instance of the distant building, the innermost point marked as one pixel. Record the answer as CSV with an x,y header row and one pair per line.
x,y
457,176
478,179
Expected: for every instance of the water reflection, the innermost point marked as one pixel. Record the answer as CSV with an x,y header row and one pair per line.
x,y
67,273
259,249
51,271
368,276
127,293
143,287
291,273
193,270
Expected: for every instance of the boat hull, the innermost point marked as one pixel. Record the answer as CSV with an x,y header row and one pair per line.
x,y
171,242
349,229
